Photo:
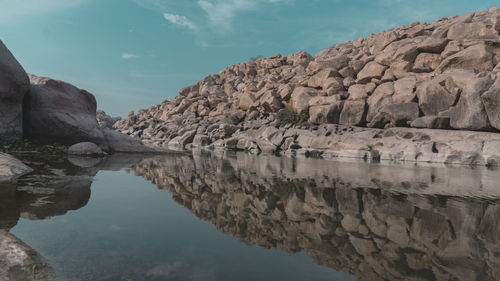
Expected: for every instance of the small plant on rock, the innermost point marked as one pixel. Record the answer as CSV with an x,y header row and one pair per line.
x,y
289,116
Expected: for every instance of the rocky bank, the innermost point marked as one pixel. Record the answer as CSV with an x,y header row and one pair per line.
x,y
394,95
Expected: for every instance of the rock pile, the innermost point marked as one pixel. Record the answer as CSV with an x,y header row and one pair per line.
x,y
440,75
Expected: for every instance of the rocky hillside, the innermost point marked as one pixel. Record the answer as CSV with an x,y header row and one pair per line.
x,y
439,75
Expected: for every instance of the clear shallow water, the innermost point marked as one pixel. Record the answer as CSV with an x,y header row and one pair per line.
x,y
242,217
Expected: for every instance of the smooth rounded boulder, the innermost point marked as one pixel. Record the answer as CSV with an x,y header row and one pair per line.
x,y
58,112
14,84
85,149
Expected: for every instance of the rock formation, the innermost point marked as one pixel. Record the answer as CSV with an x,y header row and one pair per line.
x,y
439,75
11,167
57,112
14,84
395,223
47,111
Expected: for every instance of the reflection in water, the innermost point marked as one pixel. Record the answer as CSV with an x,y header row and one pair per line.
x,y
373,221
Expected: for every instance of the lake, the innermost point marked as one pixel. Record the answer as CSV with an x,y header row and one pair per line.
x,y
236,216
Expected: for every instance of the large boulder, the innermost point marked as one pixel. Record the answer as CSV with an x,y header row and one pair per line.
x,y
11,167
14,84
57,112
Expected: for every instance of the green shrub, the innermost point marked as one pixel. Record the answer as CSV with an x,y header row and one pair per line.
x,y
289,116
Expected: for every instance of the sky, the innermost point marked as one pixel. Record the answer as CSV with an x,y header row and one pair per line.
x,y
132,54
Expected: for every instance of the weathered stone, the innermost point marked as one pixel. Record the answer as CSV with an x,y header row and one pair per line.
x,y
431,122
380,97
476,57
404,90
57,112
11,167
322,114
118,142
319,79
401,114
247,101
370,71
14,84
353,113
357,91
427,62
85,149
491,101
434,98
301,97
470,112
473,30
432,45
270,102
334,86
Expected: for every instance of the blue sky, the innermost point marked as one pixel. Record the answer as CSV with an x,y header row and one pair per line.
x,y
132,54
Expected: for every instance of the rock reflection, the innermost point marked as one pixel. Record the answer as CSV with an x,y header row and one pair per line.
x,y
377,222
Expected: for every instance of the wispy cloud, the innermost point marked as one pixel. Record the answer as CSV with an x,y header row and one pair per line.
x,y
15,10
128,56
221,13
180,21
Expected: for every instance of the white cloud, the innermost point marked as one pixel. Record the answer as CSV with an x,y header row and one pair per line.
x,y
181,21
14,10
221,13
128,56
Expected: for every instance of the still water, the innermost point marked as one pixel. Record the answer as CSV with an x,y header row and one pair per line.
x,y
243,217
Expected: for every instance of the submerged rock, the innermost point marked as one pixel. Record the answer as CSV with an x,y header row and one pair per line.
x,y
11,167
20,262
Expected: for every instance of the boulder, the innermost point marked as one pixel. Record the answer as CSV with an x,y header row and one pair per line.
x,y
247,101
402,113
470,112
322,114
301,97
434,98
319,79
432,45
476,57
353,113
431,122
118,142
57,112
270,102
85,149
426,62
473,30
14,84
11,167
370,71
180,142
380,97
404,90
491,101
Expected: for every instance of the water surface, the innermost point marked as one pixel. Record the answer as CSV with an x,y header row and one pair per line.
x,y
244,217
